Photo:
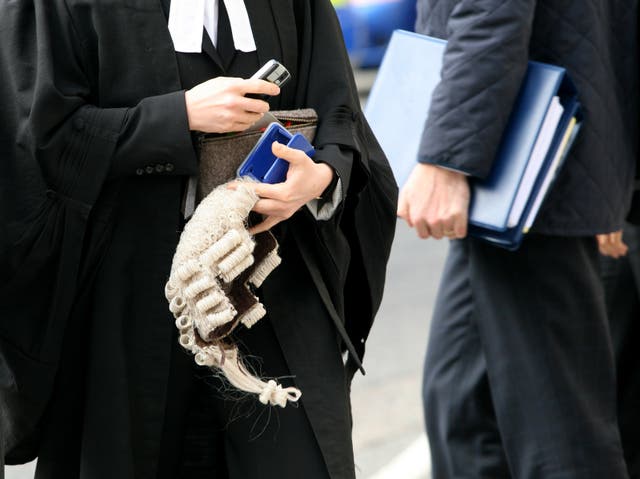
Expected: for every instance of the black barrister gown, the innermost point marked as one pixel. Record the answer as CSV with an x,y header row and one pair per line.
x,y
95,150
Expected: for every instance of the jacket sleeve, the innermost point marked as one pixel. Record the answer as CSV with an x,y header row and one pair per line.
x,y
352,250
77,143
58,146
484,63
57,139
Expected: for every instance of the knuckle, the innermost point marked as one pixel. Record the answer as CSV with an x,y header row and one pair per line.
x,y
434,221
228,117
233,101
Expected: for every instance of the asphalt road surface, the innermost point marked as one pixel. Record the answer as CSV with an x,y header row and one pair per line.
x,y
388,419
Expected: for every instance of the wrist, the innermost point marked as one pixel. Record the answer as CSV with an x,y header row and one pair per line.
x,y
188,101
329,178
327,194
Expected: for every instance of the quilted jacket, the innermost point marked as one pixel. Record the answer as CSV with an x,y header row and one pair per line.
x,y
489,44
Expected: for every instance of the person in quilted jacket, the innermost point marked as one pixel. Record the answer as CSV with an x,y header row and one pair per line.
x,y
519,378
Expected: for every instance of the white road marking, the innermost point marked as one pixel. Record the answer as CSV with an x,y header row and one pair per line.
x,y
412,463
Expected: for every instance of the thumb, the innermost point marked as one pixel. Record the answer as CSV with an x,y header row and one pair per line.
x,y
403,209
291,155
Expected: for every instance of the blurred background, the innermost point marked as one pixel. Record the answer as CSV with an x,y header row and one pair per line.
x,y
367,26
388,430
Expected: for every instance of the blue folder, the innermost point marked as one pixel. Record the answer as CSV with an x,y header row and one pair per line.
x,y
397,109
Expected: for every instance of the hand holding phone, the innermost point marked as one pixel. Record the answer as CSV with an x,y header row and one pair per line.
x,y
219,105
273,71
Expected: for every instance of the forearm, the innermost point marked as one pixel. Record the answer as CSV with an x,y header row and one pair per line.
x,y
155,139
60,122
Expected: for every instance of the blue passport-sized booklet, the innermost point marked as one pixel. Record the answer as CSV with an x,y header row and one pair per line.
x,y
262,165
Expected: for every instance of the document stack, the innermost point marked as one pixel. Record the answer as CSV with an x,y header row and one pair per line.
x,y
543,124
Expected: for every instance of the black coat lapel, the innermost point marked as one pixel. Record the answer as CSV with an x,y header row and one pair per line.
x,y
282,11
225,45
166,4
269,45
288,31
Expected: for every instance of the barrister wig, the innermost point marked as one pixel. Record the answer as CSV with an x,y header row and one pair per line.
x,y
215,264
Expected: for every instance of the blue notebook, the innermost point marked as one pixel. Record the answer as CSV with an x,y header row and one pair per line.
x,y
542,126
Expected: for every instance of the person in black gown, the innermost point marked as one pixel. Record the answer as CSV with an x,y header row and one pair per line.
x,y
101,113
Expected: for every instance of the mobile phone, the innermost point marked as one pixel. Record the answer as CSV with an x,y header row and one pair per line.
x,y
262,165
273,71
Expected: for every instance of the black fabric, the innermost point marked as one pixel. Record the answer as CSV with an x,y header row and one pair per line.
x,y
519,379
225,45
103,127
489,44
219,436
214,432
621,278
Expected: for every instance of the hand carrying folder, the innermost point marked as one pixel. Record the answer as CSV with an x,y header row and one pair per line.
x,y
543,123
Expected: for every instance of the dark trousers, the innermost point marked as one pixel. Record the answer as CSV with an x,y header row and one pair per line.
x,y
621,279
519,375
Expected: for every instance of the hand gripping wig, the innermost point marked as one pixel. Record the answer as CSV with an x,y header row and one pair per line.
x,y
215,264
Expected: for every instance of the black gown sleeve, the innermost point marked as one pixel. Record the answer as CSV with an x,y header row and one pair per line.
x,y
358,238
58,147
57,139
76,142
